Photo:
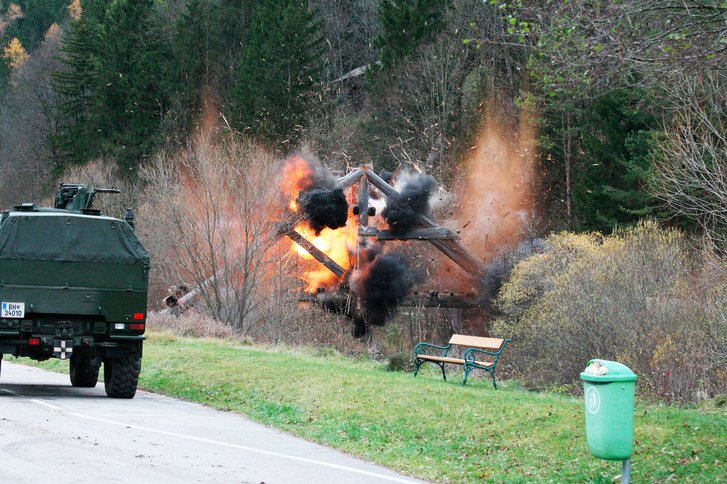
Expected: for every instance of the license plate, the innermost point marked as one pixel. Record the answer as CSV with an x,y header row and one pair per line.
x,y
12,310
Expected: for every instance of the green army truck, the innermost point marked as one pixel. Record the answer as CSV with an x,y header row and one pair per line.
x,y
73,285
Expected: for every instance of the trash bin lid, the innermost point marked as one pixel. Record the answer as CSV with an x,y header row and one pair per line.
x,y
605,371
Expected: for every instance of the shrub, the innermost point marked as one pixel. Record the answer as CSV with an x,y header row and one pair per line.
x,y
400,362
190,323
640,297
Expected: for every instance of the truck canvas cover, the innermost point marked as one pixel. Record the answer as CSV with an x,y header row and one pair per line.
x,y
63,237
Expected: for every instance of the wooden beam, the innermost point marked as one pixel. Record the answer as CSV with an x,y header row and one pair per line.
x,y
350,179
419,301
440,301
363,202
330,264
432,233
368,231
379,183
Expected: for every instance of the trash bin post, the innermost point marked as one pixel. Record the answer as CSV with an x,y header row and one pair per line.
x,y
626,472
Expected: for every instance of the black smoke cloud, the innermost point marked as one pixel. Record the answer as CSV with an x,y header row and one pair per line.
x,y
403,209
383,281
324,207
321,203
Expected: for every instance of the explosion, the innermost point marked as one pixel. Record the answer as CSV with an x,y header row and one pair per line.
x,y
322,214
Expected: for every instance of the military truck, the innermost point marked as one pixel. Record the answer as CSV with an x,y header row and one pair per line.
x,y
73,285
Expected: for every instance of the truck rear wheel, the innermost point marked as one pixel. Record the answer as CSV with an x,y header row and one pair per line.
x,y
84,373
121,376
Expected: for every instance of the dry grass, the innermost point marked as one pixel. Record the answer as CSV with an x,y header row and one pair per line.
x,y
190,323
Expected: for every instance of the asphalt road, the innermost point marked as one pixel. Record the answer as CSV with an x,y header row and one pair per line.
x,y
52,432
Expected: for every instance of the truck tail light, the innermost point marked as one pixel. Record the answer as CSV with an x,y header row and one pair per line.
x,y
138,316
34,341
136,326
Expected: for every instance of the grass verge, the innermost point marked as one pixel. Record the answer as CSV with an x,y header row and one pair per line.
x,y
424,426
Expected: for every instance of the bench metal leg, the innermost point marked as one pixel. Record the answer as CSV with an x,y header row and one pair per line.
x,y
467,371
418,363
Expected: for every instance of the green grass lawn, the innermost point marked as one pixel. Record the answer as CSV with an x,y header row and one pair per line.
x,y
424,426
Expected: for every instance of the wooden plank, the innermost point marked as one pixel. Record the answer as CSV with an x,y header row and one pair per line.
x,y
368,231
316,253
493,344
363,202
379,183
439,301
432,233
441,359
350,179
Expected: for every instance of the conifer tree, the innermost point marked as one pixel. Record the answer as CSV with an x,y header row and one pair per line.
x,y
208,39
280,72
75,84
113,86
405,24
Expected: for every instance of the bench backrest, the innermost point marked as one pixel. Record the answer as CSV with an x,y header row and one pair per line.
x,y
492,344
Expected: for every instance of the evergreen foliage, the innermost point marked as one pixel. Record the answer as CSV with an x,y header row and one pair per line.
x,y
405,25
279,78
611,186
208,37
113,89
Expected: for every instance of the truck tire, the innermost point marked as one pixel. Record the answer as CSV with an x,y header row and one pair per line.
x,y
121,376
84,374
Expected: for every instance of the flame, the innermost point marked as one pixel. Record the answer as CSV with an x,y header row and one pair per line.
x,y
339,244
297,176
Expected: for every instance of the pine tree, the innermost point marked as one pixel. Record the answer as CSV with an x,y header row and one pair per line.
x,y
405,24
76,83
280,72
610,188
113,87
207,42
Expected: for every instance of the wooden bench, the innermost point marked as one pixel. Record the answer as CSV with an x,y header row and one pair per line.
x,y
479,352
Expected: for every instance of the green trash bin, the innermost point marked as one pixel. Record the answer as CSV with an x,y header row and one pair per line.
x,y
610,388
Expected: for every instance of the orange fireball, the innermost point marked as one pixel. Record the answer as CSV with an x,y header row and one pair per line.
x,y
340,244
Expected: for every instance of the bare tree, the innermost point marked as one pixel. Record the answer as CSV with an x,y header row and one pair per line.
x,y
27,125
691,173
220,203
598,44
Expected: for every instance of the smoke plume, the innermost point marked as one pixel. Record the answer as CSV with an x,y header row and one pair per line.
x,y
324,207
404,209
313,187
383,281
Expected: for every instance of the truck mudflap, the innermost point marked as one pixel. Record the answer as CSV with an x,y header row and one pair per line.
x,y
62,348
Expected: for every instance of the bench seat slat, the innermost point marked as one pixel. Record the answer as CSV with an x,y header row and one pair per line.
x,y
442,359
493,344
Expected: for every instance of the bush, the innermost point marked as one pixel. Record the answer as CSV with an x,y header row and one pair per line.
x,y
400,362
190,323
640,297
